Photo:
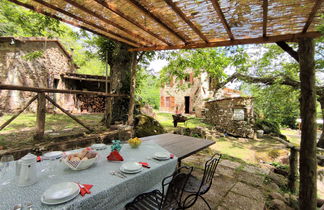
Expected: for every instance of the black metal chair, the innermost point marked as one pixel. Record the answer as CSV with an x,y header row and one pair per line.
x,y
169,198
198,187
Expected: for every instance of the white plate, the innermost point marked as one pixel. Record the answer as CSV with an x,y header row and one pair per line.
x,y
131,166
162,155
59,201
130,172
53,155
60,192
99,146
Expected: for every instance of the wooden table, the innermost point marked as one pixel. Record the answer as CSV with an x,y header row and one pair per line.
x,y
180,146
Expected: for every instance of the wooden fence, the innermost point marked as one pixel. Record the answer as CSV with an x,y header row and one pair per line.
x,y
41,98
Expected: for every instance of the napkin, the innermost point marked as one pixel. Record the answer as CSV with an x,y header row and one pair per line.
x,y
115,156
85,191
144,164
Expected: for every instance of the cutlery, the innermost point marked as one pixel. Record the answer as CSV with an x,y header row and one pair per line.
x,y
29,206
123,175
18,207
116,174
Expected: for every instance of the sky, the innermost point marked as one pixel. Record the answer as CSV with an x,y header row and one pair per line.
x,y
157,65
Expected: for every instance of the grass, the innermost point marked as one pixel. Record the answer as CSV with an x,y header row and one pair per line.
x,y
19,132
167,122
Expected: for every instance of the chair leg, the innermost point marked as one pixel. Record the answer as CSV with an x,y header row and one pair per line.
x,y
190,202
205,202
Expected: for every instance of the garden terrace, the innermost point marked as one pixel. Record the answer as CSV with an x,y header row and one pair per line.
x,y
186,24
165,24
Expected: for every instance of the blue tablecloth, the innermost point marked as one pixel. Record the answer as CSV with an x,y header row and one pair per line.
x,y
109,192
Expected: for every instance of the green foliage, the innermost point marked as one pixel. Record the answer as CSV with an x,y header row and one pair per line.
x,y
276,103
33,55
149,90
214,61
17,21
267,126
93,66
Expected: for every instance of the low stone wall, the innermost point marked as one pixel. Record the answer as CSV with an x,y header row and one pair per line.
x,y
72,142
222,113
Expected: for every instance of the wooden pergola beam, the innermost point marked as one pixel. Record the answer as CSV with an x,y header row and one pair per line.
x,y
259,40
119,38
178,11
105,20
265,17
115,10
53,90
222,17
154,17
317,5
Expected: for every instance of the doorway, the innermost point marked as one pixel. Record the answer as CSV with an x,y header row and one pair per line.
x,y
187,104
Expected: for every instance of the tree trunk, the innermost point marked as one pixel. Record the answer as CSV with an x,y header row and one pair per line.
x,y
40,116
307,169
120,70
320,143
132,90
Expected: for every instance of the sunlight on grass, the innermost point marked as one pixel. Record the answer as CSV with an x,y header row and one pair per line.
x,y
292,135
167,122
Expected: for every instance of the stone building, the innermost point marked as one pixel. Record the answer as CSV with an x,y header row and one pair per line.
x,y
43,63
190,94
233,116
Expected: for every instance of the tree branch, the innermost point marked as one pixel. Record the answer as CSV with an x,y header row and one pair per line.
x,y
283,45
140,56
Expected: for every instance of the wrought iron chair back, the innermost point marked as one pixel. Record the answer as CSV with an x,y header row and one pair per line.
x,y
209,171
172,197
203,185
169,198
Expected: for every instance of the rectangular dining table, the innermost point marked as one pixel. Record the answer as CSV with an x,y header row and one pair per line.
x,y
181,146
109,192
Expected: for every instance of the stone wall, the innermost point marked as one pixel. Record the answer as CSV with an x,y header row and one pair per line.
x,y
195,87
18,68
221,114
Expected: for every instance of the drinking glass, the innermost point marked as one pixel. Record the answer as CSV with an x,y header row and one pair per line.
x,y
48,166
6,166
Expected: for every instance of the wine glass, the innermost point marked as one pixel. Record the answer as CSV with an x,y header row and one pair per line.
x,y
6,165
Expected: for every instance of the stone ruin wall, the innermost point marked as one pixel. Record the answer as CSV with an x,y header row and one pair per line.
x,y
15,69
198,92
221,112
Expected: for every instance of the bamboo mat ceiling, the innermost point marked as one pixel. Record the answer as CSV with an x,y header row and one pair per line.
x,y
178,24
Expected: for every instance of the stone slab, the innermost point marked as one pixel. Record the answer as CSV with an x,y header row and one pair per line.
x,y
248,191
250,178
235,201
228,163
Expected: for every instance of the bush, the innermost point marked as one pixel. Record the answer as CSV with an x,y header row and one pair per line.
x,y
289,121
268,126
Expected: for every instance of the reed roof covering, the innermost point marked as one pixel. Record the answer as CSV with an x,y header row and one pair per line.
x,y
179,24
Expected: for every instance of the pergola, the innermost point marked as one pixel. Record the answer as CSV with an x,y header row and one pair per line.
x,y
147,25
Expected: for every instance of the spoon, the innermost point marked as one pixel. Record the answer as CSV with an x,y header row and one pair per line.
x,y
29,206
18,207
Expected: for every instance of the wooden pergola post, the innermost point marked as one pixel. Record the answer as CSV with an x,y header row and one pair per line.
x,y
308,162
40,116
293,163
